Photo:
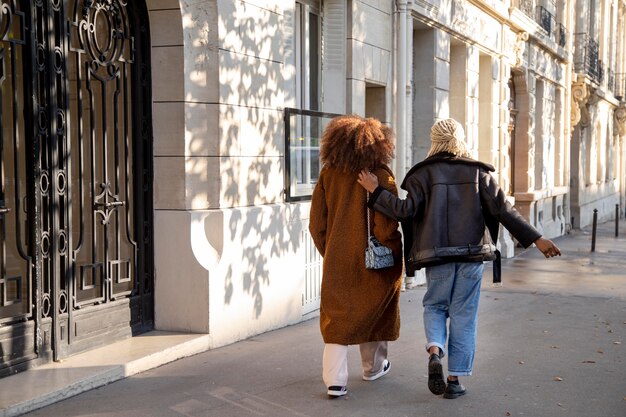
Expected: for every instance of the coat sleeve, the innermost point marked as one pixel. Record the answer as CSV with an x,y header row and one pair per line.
x,y
388,203
385,228
495,204
318,217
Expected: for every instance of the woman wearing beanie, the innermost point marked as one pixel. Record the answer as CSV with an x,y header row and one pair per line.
x,y
359,306
454,207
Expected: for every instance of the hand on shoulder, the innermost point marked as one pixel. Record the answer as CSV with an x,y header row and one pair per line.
x,y
368,180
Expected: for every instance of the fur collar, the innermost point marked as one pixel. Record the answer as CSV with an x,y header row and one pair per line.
x,y
447,158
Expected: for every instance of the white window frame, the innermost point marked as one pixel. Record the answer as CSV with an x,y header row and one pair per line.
x,y
303,131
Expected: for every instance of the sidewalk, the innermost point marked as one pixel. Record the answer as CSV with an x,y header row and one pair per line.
x,y
551,343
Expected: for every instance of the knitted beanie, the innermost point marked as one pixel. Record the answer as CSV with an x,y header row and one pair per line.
x,y
447,135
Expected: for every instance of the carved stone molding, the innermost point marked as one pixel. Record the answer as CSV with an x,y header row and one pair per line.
x,y
620,120
519,48
580,96
519,78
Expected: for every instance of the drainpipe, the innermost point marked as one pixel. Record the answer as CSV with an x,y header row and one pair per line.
x,y
401,82
568,128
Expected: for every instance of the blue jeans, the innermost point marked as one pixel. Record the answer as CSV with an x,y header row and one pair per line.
x,y
453,292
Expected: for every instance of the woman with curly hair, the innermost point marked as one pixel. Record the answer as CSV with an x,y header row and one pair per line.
x,y
359,306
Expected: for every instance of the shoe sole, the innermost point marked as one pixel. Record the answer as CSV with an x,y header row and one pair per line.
x,y
335,394
453,396
381,374
436,384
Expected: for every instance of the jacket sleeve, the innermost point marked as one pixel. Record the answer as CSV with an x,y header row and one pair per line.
x,y
495,204
318,217
391,205
385,228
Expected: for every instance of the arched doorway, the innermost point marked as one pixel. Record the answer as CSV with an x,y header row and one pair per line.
x,y
76,215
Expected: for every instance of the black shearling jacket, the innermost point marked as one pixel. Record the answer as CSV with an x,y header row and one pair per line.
x,y
452,213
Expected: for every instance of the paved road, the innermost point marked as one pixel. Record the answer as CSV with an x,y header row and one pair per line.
x,y
552,342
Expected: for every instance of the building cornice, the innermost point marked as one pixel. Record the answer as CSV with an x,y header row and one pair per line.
x,y
511,18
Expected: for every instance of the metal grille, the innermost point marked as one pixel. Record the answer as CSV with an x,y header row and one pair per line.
x,y
547,20
526,6
586,57
312,274
562,39
620,86
610,81
15,198
75,203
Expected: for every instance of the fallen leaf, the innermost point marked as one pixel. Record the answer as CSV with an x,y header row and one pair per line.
x,y
521,362
507,413
617,343
545,331
559,404
600,351
549,312
610,331
589,362
555,347
558,378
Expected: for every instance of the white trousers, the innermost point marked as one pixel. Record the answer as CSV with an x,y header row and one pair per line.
x,y
335,361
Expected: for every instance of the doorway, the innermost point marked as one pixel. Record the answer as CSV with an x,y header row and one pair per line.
x,y
76,269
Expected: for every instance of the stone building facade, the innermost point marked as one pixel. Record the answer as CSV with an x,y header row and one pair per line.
x,y
598,92
233,222
235,94
507,70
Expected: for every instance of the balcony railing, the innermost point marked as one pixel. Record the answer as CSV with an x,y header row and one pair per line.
x,y
545,19
600,72
526,6
562,39
586,57
610,80
619,89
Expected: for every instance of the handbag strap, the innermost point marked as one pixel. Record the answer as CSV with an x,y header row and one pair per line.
x,y
367,210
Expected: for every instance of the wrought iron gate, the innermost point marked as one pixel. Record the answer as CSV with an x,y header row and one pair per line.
x,y
76,261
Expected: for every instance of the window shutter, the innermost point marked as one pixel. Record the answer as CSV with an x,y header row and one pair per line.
x,y
334,56
289,59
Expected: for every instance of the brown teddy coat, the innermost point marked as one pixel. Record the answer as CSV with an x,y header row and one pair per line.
x,y
358,305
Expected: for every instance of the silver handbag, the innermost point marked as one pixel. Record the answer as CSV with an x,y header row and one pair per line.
x,y
377,256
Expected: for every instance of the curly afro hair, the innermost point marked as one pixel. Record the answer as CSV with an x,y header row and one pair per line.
x,y
352,143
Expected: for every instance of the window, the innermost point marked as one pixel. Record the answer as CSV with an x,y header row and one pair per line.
x,y
307,54
304,125
303,130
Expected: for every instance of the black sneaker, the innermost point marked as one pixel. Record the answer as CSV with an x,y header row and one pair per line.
x,y
337,391
436,384
454,390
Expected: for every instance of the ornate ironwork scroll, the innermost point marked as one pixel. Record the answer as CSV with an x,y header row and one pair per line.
x,y
76,260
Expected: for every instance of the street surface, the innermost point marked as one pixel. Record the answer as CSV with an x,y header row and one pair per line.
x,y
551,342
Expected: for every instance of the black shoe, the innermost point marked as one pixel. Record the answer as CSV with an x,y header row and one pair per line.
x,y
454,390
436,384
337,391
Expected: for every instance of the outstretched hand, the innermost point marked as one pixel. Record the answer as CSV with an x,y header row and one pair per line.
x,y
368,180
547,247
